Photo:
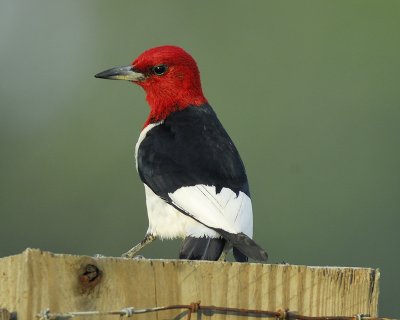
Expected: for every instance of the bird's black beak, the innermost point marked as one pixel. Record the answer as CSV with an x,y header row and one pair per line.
x,y
121,73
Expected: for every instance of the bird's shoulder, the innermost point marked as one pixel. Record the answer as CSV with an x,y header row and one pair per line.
x,y
194,129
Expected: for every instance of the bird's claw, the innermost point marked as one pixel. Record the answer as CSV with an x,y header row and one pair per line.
x,y
137,257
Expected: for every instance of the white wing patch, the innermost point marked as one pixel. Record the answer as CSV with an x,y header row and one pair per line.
x,y
224,210
166,222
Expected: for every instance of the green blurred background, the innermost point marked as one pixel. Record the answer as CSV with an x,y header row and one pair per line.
x,y
308,90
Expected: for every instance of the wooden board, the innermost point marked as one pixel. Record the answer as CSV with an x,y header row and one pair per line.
x,y
4,314
34,280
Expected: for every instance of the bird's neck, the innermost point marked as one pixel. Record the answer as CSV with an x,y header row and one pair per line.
x,y
162,104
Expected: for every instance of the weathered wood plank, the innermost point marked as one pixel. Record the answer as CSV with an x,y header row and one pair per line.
x,y
4,314
36,280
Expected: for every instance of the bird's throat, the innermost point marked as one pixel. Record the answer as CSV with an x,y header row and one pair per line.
x,y
162,105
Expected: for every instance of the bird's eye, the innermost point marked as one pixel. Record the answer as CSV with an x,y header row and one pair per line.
x,y
160,70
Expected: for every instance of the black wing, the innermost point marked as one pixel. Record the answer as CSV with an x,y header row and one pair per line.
x,y
191,147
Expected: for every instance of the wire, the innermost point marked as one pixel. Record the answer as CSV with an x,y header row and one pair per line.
x,y
196,307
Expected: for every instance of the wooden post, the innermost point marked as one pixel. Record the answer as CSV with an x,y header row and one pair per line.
x,y
4,314
34,280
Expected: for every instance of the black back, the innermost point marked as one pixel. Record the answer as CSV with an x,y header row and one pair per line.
x,y
191,147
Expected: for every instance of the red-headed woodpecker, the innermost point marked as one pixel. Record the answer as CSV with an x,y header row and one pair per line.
x,y
195,182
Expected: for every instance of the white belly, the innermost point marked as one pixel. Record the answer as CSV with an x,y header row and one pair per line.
x,y
166,222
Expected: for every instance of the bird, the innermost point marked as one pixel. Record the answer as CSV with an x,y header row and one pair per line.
x,y
195,181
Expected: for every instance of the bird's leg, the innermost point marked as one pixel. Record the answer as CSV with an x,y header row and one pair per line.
x,y
223,256
149,238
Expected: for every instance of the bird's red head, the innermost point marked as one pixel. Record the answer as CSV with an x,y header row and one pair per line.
x,y
170,77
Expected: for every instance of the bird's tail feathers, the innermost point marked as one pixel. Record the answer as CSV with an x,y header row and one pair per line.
x,y
244,246
239,257
204,248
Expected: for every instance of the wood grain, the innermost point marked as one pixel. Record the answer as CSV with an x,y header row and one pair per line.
x,y
34,280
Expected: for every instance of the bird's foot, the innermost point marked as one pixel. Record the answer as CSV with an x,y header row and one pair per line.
x,y
223,256
139,257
